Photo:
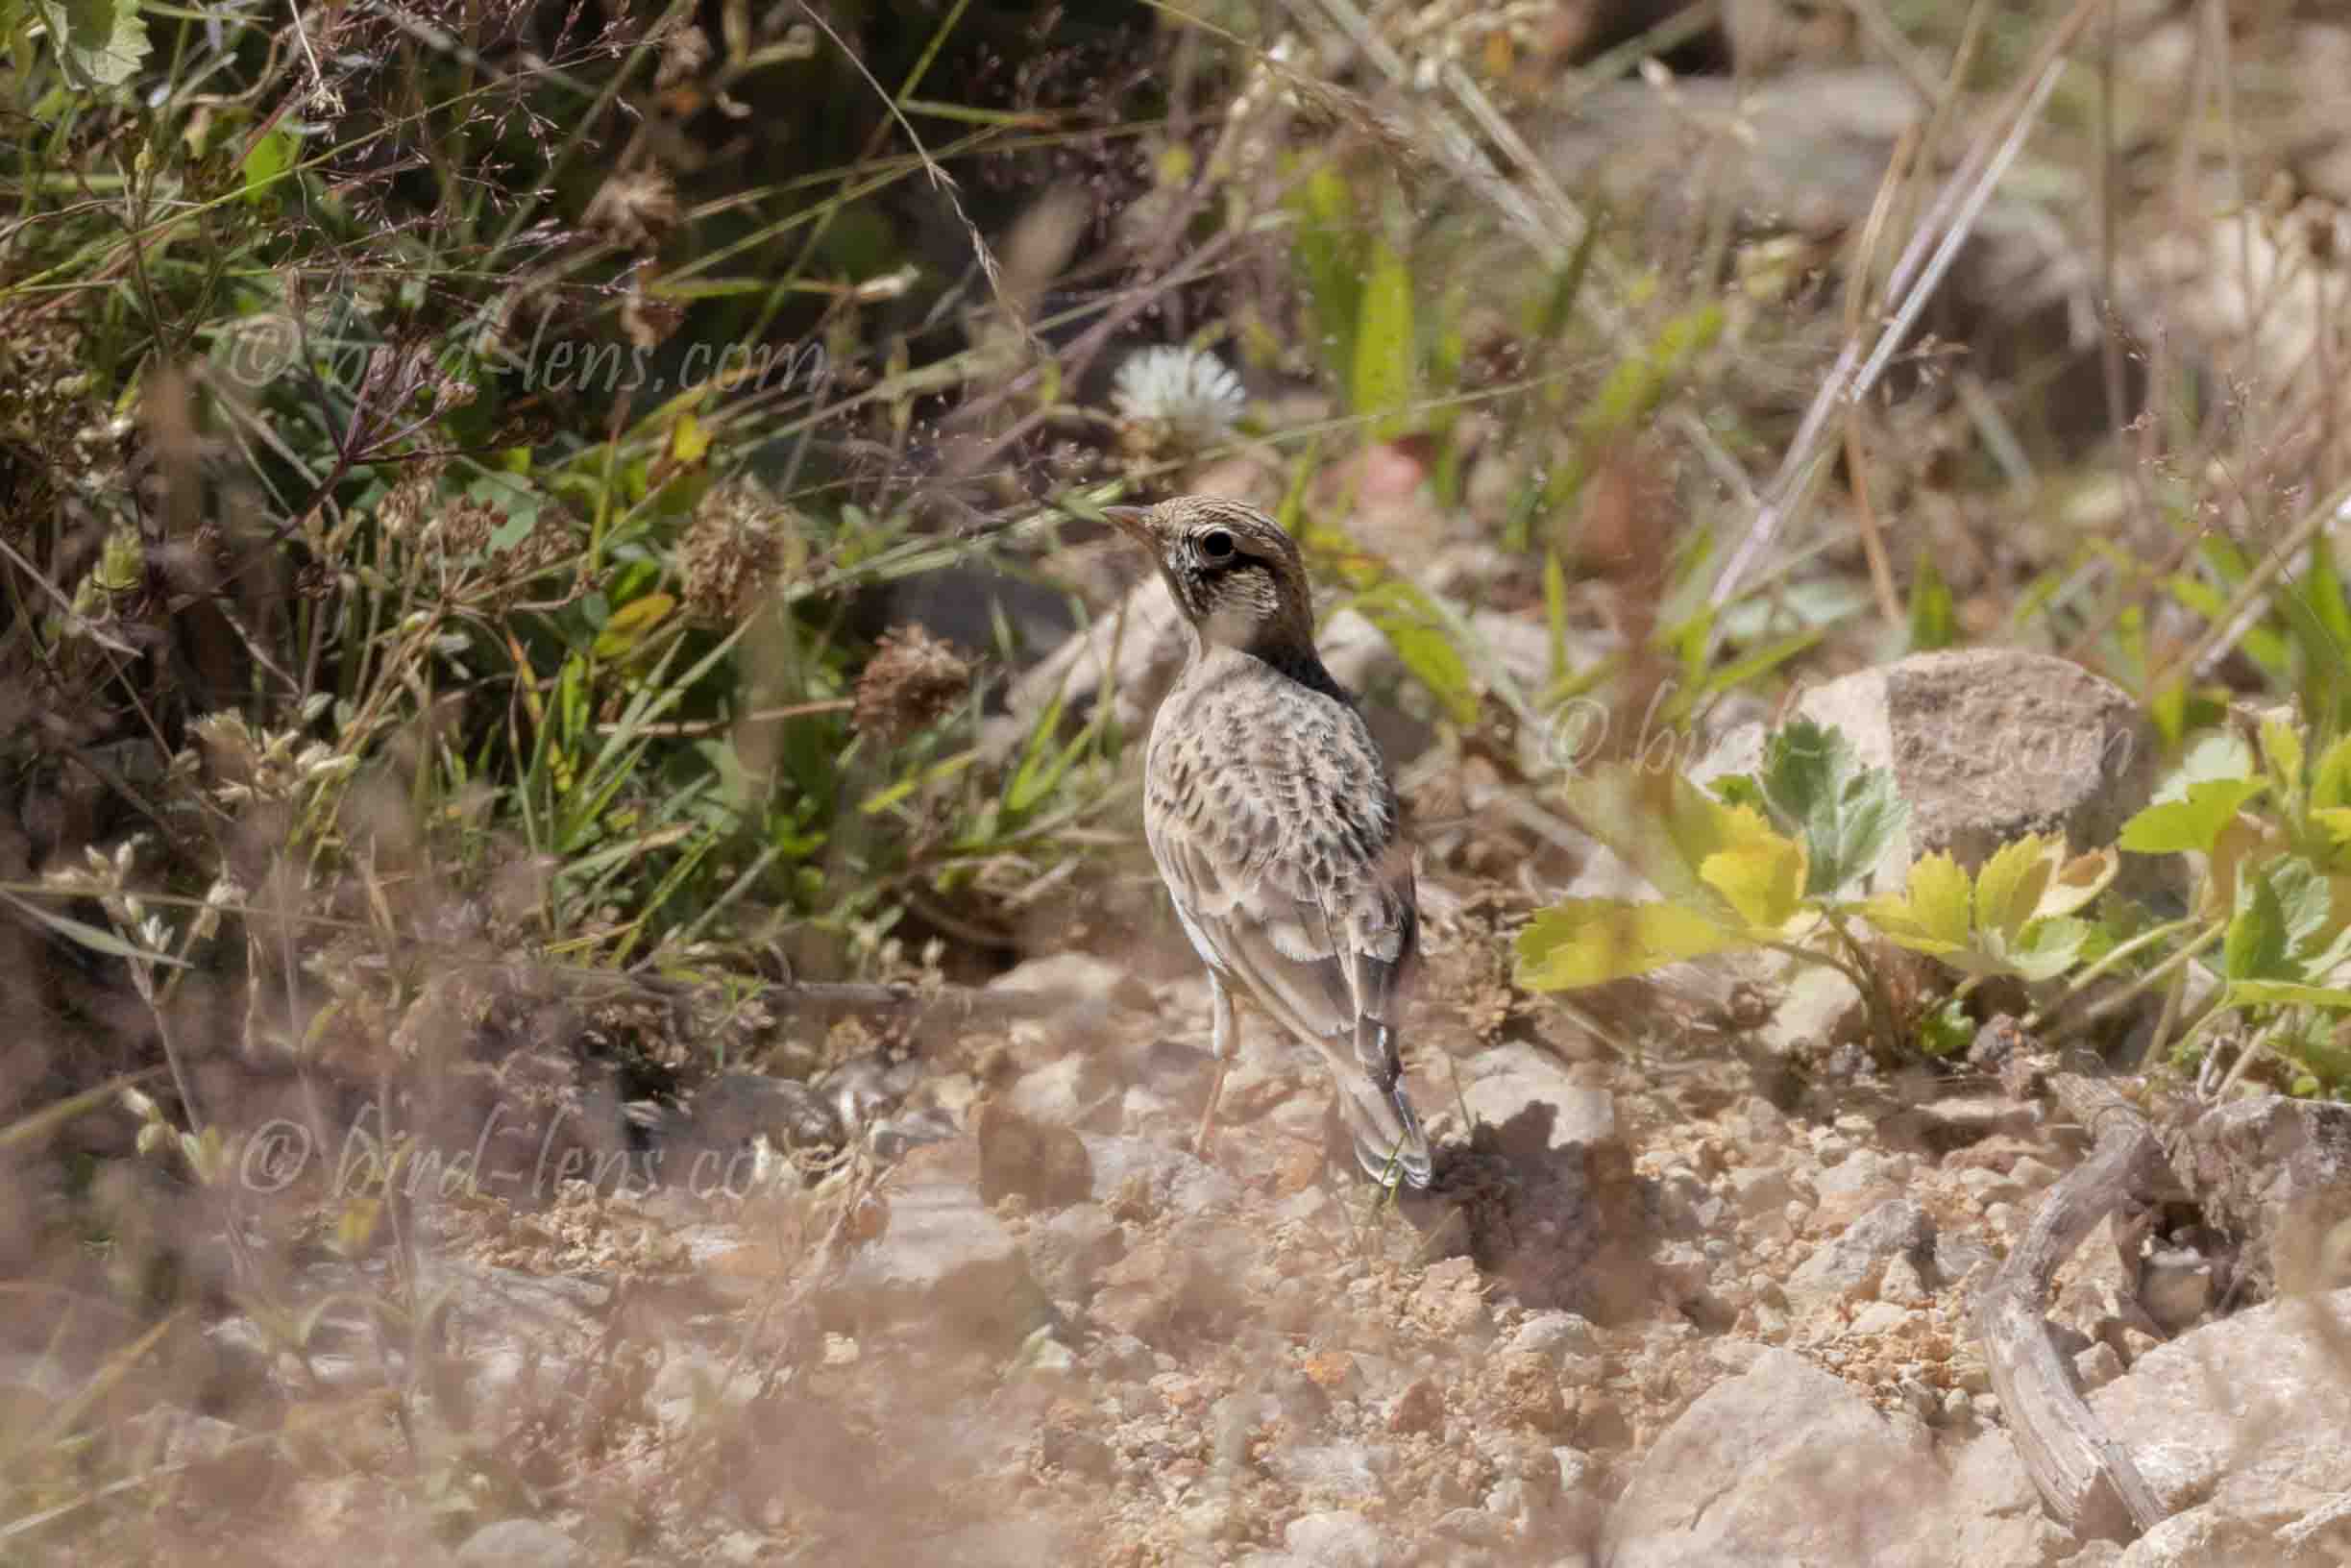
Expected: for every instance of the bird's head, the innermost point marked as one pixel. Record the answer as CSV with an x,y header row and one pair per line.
x,y
1236,576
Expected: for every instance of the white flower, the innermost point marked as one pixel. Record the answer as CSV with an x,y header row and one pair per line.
x,y
1187,393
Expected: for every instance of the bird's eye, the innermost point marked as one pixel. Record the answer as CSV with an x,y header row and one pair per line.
x,y
1216,545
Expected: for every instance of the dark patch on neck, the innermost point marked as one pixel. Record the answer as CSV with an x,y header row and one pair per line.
x,y
1302,664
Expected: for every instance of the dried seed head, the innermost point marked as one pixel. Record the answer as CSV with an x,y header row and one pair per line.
x,y
912,679
635,210
743,542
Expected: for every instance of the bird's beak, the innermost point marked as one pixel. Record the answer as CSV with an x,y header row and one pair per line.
x,y
1134,521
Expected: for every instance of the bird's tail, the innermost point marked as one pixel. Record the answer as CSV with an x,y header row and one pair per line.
x,y
1388,1142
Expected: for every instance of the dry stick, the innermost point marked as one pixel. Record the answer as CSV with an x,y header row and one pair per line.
x,y
1916,276
2088,1481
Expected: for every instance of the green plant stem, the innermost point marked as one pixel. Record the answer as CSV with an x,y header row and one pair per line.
x,y
2034,1019
2174,964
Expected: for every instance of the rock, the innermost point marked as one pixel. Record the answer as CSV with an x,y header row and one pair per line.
x,y
1091,987
1853,1186
1760,1189
2096,1368
1069,1252
1788,1464
1755,1470
1540,1112
1879,1318
1068,1446
1986,744
1167,1179
1337,1540
1336,1471
1850,1268
941,1257
1188,1282
518,1543
2243,1423
1450,1302
2277,1172
1045,1162
1527,1386
1420,1407
1556,1334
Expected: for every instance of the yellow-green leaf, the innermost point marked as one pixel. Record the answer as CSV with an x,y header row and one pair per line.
x,y
1934,911
1588,942
689,441
632,623
2008,888
1763,878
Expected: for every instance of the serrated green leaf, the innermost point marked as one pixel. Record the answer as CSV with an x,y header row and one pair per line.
x,y
102,42
1588,942
1934,911
1845,814
2009,886
1763,878
2193,822
2047,948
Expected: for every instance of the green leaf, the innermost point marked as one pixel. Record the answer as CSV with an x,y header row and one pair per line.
x,y
1846,813
91,937
2008,887
2285,993
1933,913
1762,878
102,42
2047,948
1588,942
2255,947
267,161
1404,615
1934,620
1381,378
1329,256
2331,777
2193,823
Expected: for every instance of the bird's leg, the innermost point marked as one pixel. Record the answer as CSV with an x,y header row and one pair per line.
x,y
1222,1039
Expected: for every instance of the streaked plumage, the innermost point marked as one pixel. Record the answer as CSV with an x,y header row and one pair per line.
x,y
1274,822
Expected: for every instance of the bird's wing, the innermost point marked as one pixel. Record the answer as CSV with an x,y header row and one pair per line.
x,y
1302,896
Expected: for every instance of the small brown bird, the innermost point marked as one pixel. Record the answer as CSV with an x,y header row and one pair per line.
x,y
1274,824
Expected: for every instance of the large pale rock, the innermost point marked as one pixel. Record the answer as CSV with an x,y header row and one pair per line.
x,y
1787,1465
2244,1431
